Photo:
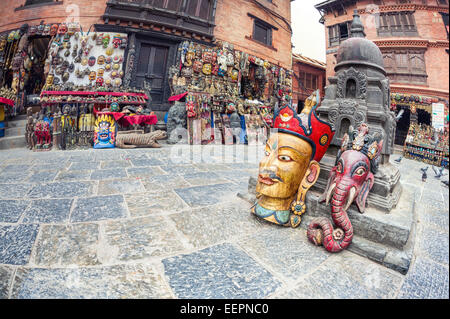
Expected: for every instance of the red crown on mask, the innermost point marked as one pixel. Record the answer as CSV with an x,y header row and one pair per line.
x,y
307,127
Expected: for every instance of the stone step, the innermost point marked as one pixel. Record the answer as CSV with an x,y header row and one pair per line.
x,y
12,142
15,131
380,236
16,123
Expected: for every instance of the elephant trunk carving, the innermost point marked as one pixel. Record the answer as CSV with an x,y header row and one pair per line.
x,y
350,181
321,230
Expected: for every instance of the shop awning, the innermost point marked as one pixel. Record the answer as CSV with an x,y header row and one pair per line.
x,y
177,97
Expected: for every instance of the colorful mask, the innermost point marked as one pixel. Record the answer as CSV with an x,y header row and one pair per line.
x,y
105,41
105,132
351,179
206,69
100,72
215,69
32,30
72,28
198,65
124,43
62,29
109,51
117,40
11,36
234,75
108,82
108,67
114,107
101,60
99,40
116,66
92,76
117,82
54,30
91,61
290,166
99,81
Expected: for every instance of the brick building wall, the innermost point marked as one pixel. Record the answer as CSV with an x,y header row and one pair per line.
x,y
301,88
87,12
234,25
431,38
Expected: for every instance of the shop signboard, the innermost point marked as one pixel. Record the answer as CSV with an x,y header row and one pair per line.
x,y
438,116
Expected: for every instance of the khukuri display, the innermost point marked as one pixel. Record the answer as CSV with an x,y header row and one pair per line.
x,y
350,180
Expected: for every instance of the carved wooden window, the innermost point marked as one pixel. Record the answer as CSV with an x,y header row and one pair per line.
x,y
30,2
199,8
338,33
173,5
397,24
405,66
309,81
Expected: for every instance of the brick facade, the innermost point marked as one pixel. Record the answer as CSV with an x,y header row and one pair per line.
x,y
431,38
232,22
301,90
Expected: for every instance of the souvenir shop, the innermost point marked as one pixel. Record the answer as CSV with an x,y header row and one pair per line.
x,y
422,140
230,96
77,76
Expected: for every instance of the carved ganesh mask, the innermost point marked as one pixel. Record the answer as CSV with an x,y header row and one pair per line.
x,y
350,180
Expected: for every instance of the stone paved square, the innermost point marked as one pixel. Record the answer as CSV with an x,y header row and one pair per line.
x,y
48,211
16,243
221,271
98,208
141,228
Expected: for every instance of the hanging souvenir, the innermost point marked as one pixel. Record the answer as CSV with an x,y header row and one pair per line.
x,y
109,51
62,29
54,30
65,77
32,31
230,59
117,82
72,28
114,107
99,40
84,61
105,41
108,67
197,66
67,53
215,69
91,61
108,82
108,60
11,36
79,74
116,66
77,59
234,75
207,56
114,74
92,76
71,67
123,43
117,40
100,72
99,81
206,69
121,74
101,60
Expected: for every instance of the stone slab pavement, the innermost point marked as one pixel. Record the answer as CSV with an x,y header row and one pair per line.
x,y
166,223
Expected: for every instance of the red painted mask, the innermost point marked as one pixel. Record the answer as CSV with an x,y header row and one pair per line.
x,y
350,180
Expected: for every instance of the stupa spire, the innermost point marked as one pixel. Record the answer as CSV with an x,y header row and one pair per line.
x,y
357,28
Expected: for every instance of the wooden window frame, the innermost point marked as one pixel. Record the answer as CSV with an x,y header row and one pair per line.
x,y
394,24
39,4
336,39
410,71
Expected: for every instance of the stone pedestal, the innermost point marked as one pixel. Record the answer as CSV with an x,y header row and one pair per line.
x,y
383,235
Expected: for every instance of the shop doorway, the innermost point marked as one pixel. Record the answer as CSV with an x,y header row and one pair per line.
x,y
423,117
402,125
37,52
151,70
